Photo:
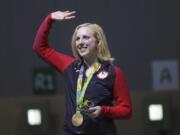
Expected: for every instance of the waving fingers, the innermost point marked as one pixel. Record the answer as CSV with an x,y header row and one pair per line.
x,y
63,15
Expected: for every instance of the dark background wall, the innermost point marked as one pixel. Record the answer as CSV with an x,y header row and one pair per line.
x,y
138,32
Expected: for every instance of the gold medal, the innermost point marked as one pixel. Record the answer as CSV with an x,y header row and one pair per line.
x,y
77,119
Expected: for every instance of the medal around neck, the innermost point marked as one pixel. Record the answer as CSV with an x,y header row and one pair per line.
x,y
77,119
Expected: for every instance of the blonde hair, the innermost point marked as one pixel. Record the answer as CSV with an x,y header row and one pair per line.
x,y
103,52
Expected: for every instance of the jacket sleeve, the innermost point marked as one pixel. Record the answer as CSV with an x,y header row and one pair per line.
x,y
122,108
41,47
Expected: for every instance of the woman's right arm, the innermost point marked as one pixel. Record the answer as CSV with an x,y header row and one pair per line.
x,y
41,44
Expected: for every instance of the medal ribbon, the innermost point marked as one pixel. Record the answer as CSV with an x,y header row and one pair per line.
x,y
80,92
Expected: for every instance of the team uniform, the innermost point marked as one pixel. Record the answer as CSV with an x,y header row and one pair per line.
x,y
106,85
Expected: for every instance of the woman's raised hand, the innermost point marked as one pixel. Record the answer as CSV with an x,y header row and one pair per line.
x,y
63,15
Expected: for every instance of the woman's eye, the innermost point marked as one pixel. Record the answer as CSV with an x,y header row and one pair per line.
x,y
77,38
86,37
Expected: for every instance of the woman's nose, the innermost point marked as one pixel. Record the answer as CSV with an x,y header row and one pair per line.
x,y
81,41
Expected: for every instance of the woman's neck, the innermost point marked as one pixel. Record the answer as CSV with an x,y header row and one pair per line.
x,y
89,62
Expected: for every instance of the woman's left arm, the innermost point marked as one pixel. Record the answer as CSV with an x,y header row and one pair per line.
x,y
123,107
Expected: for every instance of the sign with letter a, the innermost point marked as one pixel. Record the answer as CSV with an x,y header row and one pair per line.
x,y
165,75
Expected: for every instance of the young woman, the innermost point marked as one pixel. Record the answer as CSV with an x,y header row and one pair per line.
x,y
97,92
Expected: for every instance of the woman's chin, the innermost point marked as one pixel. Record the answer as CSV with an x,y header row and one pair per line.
x,y
84,54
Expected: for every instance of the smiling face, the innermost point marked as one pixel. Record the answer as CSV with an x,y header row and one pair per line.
x,y
89,42
86,43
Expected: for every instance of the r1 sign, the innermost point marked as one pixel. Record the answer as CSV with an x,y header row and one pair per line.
x,y
44,81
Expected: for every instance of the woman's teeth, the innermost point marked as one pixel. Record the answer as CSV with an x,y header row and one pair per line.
x,y
82,47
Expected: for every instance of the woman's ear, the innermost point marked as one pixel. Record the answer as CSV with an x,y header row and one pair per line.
x,y
97,41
